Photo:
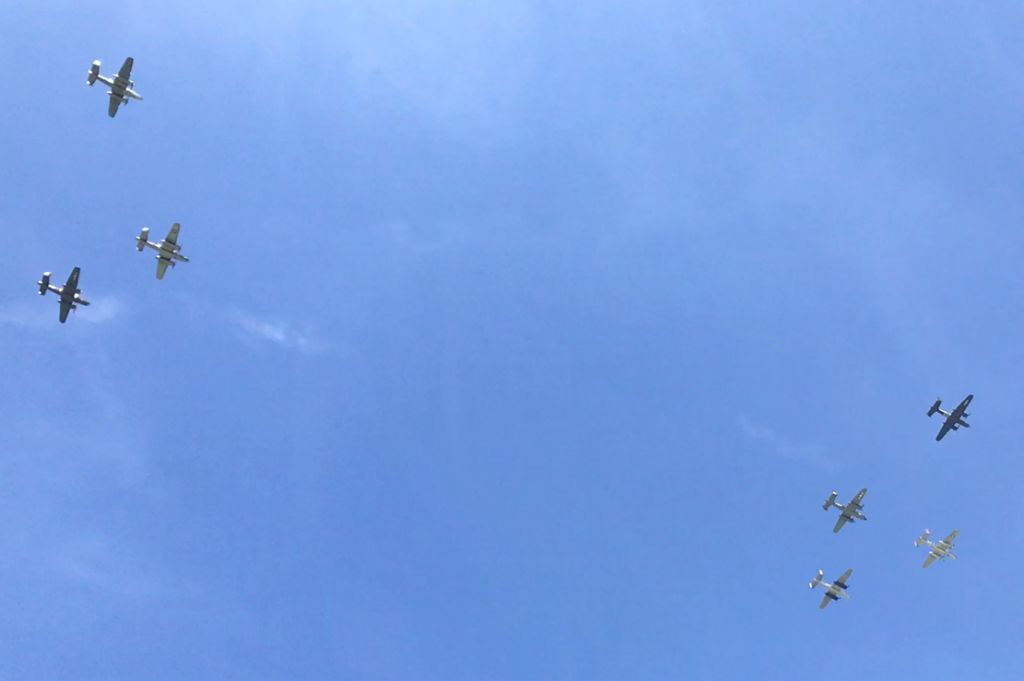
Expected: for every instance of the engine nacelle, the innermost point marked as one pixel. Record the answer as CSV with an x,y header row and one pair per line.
x,y
44,283
141,239
94,72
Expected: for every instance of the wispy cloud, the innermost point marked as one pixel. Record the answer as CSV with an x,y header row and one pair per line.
x,y
44,313
304,339
101,310
96,562
791,451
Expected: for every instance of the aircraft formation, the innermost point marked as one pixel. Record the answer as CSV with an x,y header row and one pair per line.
x,y
168,251
168,254
851,512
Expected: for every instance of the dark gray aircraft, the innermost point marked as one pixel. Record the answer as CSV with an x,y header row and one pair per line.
x,y
70,294
120,85
954,419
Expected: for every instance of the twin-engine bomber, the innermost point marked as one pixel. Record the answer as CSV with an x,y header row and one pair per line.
x,y
849,512
833,591
70,296
167,251
120,85
954,419
937,551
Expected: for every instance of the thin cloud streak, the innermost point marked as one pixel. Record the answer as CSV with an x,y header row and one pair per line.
x,y
304,340
101,310
803,453
97,562
42,315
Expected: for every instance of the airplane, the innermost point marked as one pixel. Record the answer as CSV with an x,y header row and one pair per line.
x,y
954,419
834,591
940,551
120,85
167,251
850,512
70,294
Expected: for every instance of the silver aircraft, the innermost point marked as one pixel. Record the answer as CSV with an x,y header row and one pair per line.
x,y
120,85
167,251
939,551
850,512
833,591
954,419
70,294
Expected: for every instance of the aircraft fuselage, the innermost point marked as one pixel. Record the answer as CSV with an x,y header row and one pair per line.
x,y
169,252
834,590
119,87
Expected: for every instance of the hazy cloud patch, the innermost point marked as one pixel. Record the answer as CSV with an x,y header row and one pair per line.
x,y
101,310
45,313
96,562
791,451
304,340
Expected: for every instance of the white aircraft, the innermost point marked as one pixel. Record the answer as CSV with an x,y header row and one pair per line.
x,y
940,551
833,591
120,85
69,295
850,512
167,251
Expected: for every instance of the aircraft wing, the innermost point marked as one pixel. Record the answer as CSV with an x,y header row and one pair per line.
x,y
65,307
948,541
944,429
72,283
126,68
825,600
843,578
161,267
172,236
840,522
113,104
930,559
855,502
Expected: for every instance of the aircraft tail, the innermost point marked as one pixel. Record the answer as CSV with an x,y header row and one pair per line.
x,y
817,579
142,239
831,501
94,72
44,283
935,407
923,539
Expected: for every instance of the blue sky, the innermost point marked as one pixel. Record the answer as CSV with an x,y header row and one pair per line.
x,y
519,341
